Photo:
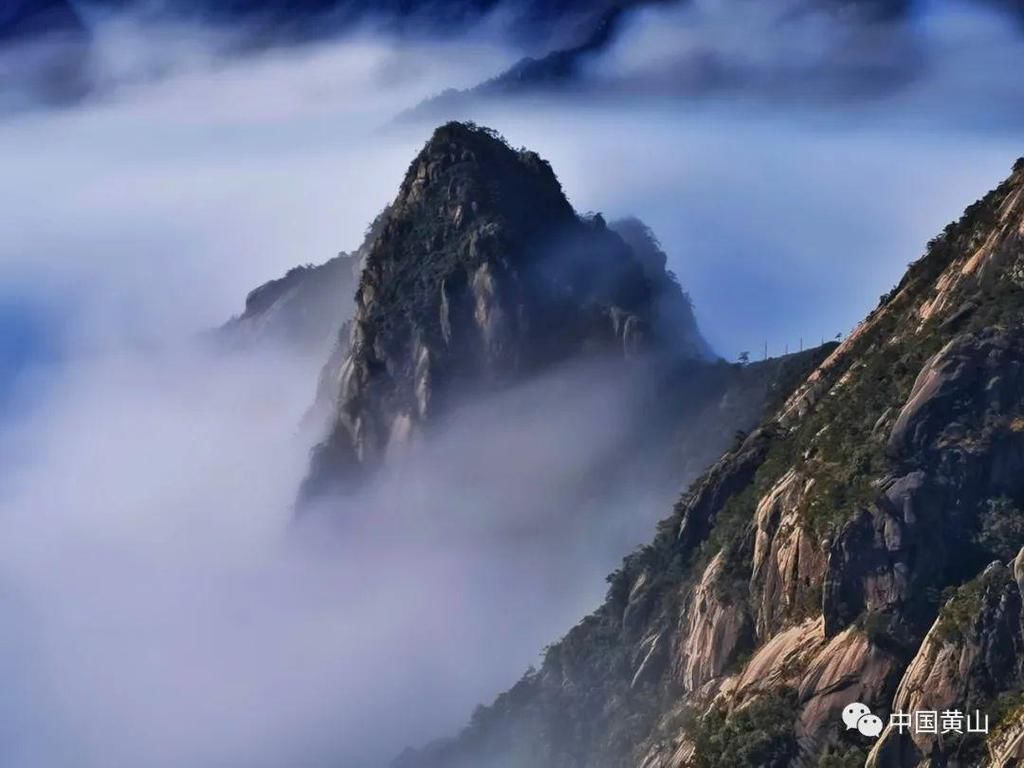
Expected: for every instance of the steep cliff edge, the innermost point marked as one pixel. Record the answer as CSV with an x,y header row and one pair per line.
x,y
483,275
804,571
479,278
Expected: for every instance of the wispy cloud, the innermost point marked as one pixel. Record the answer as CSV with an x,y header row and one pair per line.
x,y
155,610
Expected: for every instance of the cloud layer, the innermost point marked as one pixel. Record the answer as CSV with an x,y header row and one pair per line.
x,y
157,608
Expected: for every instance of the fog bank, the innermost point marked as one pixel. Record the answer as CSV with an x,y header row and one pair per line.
x,y
158,609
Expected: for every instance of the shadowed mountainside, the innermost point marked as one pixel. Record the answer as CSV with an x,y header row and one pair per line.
x,y
700,71
26,19
861,545
307,307
529,21
483,276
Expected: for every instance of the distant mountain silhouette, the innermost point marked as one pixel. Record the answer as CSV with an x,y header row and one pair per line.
x,y
28,19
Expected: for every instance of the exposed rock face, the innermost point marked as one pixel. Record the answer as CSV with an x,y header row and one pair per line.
x,y
716,631
787,562
804,571
954,439
973,653
483,275
850,668
672,309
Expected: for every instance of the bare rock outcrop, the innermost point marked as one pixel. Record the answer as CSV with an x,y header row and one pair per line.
x,y
717,629
788,564
482,275
842,552
973,652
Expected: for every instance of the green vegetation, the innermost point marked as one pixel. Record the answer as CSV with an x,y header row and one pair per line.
x,y
848,428
759,735
966,748
843,755
730,536
875,625
964,605
840,443
423,242
730,523
1005,709
1001,530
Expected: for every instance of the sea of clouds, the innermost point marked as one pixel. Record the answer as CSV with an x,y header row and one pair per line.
x,y
157,605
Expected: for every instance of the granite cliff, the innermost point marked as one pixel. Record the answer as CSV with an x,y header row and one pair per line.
x,y
862,544
483,276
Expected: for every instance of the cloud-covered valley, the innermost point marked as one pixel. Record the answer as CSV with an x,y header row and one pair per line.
x,y
158,606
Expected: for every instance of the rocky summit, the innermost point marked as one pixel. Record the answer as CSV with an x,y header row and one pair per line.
x,y
480,277
862,545
483,275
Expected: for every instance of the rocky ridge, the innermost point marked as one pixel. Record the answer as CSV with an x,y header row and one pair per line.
x,y
570,69
479,277
483,275
305,308
857,546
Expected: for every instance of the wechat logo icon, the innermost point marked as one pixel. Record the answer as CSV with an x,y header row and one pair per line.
x,y
858,717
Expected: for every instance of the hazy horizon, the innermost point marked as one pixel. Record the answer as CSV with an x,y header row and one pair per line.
x,y
156,609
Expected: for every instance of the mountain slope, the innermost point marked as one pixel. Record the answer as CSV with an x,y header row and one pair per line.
x,y
302,309
483,279
306,308
484,275
692,69
805,569
530,22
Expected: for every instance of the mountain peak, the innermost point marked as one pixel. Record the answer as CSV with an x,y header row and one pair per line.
x,y
484,274
466,171
464,135
841,552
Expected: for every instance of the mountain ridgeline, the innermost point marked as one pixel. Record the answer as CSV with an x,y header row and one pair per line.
x,y
529,21
483,276
304,309
299,309
479,281
480,277
862,545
